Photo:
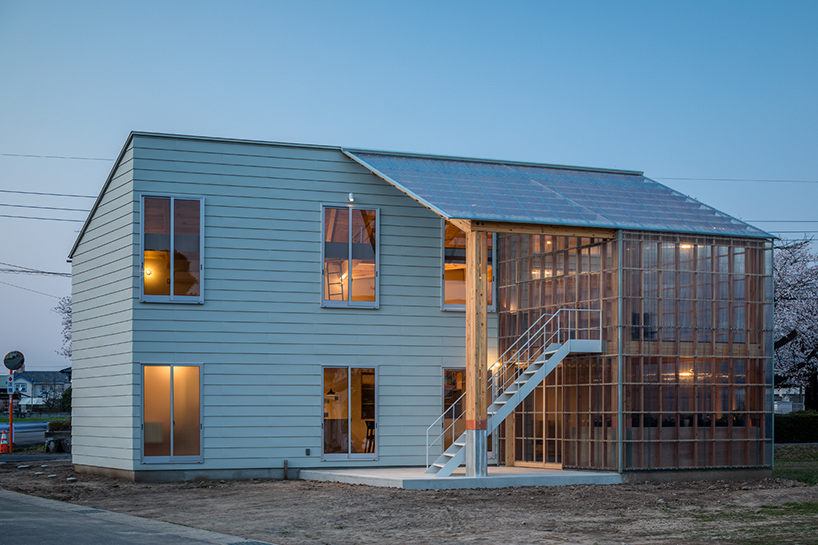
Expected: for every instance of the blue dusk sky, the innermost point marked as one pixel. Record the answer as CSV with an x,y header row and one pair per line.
x,y
718,100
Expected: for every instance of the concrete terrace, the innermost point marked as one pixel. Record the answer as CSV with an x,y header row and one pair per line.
x,y
414,478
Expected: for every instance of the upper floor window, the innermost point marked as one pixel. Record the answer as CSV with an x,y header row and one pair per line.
x,y
454,268
172,249
350,256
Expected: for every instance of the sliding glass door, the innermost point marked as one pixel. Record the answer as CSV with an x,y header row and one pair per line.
x,y
350,408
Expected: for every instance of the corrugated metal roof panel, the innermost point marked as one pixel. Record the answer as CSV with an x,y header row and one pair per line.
x,y
526,193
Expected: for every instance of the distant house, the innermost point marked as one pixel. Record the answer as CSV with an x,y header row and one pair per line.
x,y
240,304
37,388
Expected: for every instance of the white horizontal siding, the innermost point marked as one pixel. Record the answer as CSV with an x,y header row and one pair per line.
x,y
261,334
102,299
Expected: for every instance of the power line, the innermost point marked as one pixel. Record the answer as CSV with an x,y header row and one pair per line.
x,y
47,194
739,180
40,273
28,270
73,158
18,266
687,179
26,289
45,207
38,218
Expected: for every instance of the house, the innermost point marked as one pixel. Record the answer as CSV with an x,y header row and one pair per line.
x,y
239,305
40,388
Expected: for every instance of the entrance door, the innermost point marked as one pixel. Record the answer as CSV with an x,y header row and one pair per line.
x,y
350,428
538,428
454,380
453,387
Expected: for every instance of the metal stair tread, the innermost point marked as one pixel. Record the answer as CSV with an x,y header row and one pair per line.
x,y
547,355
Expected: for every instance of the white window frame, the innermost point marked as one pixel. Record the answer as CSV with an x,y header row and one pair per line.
x,y
170,459
349,456
462,308
184,299
350,303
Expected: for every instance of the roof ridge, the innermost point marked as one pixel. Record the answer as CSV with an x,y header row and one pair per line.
x,y
495,161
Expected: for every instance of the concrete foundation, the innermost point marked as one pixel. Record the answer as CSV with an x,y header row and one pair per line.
x,y
414,478
726,474
165,475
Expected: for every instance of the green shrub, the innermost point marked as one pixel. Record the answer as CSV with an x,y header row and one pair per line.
x,y
797,427
65,401
59,425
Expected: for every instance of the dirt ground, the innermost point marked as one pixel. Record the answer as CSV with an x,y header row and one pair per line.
x,y
311,513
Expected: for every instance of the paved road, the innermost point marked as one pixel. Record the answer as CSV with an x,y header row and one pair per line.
x,y
26,520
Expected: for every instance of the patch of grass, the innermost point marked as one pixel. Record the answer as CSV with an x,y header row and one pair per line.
x,y
797,462
796,453
32,448
806,507
792,522
805,474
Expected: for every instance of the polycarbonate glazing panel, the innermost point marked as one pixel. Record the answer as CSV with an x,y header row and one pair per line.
x,y
478,190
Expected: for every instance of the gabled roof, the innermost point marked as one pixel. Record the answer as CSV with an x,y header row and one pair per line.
x,y
482,190
42,377
518,192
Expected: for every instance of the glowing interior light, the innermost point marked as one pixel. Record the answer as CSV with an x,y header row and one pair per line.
x,y
344,276
148,272
685,246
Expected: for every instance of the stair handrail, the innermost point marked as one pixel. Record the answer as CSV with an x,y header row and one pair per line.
x,y
566,329
526,339
451,427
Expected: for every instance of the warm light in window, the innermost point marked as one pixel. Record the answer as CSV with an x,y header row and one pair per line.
x,y
685,246
148,272
685,374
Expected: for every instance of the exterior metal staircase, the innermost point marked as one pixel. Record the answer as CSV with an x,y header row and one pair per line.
x,y
515,374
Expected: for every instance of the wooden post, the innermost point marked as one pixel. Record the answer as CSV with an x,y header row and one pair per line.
x,y
476,352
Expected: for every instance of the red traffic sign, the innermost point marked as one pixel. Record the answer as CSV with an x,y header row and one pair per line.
x,y
14,360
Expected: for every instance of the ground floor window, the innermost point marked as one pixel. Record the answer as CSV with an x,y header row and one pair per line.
x,y
350,409
171,413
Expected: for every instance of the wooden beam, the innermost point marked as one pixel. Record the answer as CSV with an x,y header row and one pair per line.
x,y
463,225
532,229
476,329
